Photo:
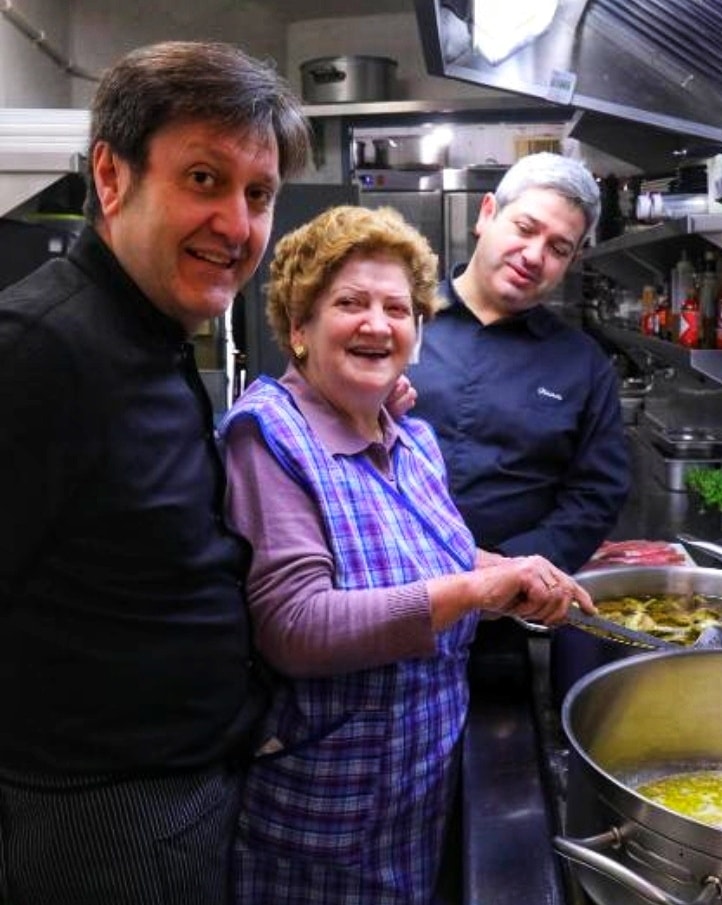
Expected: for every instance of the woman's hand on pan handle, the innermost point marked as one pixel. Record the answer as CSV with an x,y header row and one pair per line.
x,y
529,587
546,592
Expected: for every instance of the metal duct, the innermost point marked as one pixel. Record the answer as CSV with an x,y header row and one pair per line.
x,y
40,40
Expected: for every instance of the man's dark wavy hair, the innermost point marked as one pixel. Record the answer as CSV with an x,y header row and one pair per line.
x,y
182,81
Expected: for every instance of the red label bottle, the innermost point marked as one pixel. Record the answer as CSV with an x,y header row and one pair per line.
x,y
689,322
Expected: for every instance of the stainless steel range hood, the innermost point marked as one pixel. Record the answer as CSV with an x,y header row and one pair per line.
x,y
652,149
652,65
38,147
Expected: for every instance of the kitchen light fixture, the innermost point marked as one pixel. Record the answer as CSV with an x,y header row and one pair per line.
x,y
501,27
431,143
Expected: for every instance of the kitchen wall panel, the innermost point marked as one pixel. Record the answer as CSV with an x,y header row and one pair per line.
x,y
103,30
28,78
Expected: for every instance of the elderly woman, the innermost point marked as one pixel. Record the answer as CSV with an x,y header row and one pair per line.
x,y
365,586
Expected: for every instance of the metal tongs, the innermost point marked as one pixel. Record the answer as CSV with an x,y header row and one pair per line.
x,y
704,546
618,632
708,637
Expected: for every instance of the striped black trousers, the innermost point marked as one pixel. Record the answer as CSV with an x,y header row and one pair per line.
x,y
161,841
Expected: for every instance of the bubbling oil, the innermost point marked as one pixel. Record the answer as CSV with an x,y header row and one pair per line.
x,y
697,795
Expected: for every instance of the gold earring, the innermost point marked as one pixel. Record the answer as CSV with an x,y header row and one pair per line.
x,y
299,351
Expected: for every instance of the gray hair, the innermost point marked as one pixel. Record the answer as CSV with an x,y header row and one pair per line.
x,y
564,175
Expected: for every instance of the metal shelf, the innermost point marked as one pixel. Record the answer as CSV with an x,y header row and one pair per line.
x,y
486,102
648,254
693,224
708,362
704,361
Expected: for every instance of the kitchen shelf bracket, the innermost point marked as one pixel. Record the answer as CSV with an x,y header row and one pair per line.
x,y
707,362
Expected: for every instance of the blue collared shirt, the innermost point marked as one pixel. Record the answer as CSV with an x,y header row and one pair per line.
x,y
527,414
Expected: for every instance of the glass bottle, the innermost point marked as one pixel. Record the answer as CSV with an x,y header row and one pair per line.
x,y
649,307
662,315
682,283
689,321
708,301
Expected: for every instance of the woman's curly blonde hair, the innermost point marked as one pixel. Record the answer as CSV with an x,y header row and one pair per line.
x,y
306,260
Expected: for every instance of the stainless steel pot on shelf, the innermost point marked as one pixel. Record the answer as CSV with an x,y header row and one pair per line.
x,y
347,79
630,722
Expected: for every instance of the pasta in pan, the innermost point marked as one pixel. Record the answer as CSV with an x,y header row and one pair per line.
x,y
675,617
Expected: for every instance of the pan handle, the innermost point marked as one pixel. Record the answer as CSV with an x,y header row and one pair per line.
x,y
327,75
705,546
537,628
589,853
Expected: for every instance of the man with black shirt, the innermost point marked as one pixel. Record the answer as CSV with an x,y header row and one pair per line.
x,y
127,693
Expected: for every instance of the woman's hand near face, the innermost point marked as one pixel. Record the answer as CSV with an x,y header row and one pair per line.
x,y
530,587
401,399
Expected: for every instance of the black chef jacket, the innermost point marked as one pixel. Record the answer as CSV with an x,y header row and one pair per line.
x,y
124,640
528,418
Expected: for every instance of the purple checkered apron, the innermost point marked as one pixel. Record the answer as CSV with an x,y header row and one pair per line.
x,y
346,804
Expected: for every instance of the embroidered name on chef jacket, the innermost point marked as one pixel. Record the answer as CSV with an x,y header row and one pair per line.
x,y
543,391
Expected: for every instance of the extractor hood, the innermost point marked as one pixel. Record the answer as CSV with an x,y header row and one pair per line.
x,y
652,66
38,147
653,150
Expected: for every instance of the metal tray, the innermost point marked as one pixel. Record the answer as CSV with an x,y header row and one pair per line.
x,y
688,442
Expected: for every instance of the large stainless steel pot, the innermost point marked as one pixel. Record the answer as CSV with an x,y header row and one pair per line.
x,y
574,652
336,80
628,723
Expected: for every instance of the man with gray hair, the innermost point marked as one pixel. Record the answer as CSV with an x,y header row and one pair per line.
x,y
525,406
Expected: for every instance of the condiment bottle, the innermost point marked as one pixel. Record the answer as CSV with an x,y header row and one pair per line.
x,y
682,283
689,321
662,315
649,305
708,301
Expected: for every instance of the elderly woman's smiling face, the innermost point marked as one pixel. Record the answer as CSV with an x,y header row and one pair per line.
x,y
360,335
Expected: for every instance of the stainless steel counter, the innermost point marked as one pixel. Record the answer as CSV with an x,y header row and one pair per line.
x,y
656,513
